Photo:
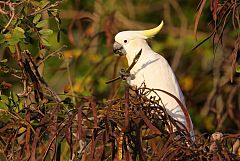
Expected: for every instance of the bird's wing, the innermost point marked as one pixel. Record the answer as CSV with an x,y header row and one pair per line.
x,y
158,75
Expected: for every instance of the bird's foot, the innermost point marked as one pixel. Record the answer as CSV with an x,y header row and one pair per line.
x,y
125,75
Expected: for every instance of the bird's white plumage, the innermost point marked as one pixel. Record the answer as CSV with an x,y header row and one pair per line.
x,y
153,70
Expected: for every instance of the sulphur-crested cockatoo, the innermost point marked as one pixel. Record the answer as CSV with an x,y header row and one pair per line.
x,y
153,70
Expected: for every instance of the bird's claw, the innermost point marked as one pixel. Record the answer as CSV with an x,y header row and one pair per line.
x,y
124,74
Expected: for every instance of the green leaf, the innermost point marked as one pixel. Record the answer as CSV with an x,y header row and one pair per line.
x,y
2,38
37,18
238,69
15,36
4,116
42,23
12,49
14,96
46,32
13,22
18,22
86,93
3,106
7,36
4,99
3,61
18,33
44,3
45,42
13,41
19,29
21,106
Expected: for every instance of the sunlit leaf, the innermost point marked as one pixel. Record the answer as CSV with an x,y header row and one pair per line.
x,y
44,3
42,23
3,61
86,93
14,97
45,42
15,37
46,32
238,69
21,130
3,106
18,33
13,41
12,49
36,18
19,29
7,36
4,99
20,105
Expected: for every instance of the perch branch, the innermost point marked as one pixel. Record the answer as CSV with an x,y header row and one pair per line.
x,y
129,68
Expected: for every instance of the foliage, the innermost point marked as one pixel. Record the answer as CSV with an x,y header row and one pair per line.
x,y
56,58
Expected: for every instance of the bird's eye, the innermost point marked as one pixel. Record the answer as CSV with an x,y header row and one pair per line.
x,y
125,41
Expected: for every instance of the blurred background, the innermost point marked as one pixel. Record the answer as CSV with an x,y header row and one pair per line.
x,y
81,58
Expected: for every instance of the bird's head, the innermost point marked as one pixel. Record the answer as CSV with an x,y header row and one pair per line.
x,y
131,42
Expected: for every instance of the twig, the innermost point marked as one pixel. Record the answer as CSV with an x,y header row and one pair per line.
x,y
198,17
13,14
3,12
70,80
44,9
19,59
129,68
184,109
52,54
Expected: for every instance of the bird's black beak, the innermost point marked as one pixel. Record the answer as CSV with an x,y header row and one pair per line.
x,y
118,49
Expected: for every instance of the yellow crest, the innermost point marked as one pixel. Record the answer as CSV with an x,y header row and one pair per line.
x,y
152,32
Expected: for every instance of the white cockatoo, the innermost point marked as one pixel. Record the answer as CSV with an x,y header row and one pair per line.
x,y
153,70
